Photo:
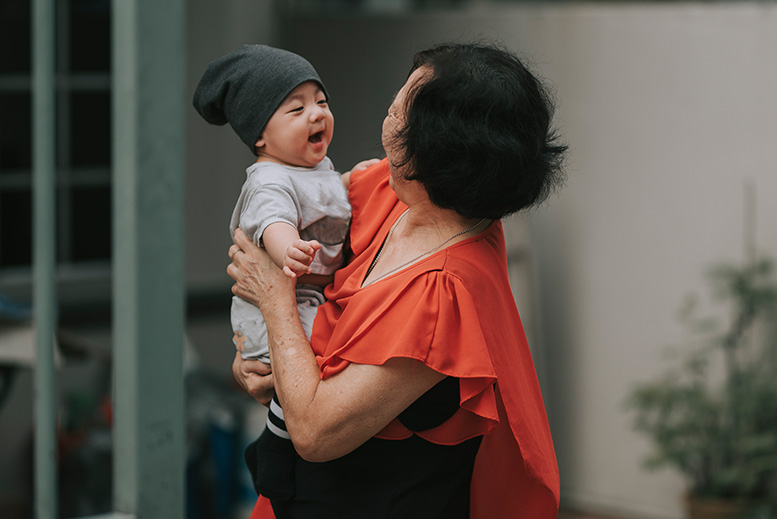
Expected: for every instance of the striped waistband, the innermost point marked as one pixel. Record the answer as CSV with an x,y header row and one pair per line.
x,y
275,422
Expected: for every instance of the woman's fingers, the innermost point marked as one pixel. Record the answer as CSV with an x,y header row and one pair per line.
x,y
248,256
242,241
365,164
254,272
255,367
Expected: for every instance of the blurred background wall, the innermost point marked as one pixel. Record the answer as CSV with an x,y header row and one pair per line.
x,y
669,110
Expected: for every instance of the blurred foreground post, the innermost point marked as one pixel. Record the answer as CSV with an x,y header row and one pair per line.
x,y
44,257
148,267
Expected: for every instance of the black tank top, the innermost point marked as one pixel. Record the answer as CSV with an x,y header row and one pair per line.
x,y
381,479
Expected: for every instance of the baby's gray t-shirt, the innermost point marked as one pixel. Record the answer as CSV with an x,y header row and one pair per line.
x,y
314,201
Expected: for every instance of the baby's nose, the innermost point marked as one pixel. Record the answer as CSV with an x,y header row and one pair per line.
x,y
317,114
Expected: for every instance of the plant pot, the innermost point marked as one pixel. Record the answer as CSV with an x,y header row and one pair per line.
x,y
708,508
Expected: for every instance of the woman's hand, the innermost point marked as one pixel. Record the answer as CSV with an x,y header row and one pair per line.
x,y
346,177
255,377
364,164
257,278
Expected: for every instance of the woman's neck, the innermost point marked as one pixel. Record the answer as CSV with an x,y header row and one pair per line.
x,y
421,230
427,222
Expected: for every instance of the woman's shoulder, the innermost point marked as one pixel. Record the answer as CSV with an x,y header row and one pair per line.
x,y
368,185
479,259
373,204
368,177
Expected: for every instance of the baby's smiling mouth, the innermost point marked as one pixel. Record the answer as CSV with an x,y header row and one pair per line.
x,y
316,137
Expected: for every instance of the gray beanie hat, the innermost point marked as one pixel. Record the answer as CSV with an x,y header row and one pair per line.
x,y
245,87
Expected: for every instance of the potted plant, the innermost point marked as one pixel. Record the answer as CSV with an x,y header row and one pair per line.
x,y
713,415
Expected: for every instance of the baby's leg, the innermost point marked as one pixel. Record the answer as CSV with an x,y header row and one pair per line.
x,y
250,337
309,298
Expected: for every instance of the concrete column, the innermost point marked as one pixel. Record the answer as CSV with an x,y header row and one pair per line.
x,y
148,195
44,261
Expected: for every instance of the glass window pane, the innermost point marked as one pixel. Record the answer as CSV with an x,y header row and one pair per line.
x,y
15,228
15,36
15,128
90,223
90,129
90,26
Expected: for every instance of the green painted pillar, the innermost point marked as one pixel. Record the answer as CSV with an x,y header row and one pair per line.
x,y
44,262
148,256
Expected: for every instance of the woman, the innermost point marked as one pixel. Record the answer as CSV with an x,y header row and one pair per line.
x,y
416,396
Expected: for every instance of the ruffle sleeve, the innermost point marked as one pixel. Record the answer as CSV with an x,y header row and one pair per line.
x,y
432,319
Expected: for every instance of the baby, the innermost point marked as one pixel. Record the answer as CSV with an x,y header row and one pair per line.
x,y
293,202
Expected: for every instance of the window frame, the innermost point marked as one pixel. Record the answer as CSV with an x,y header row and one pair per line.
x,y
79,282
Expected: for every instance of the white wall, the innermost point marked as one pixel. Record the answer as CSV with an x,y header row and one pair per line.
x,y
668,108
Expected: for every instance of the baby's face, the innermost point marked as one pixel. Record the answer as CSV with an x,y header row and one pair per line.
x,y
300,130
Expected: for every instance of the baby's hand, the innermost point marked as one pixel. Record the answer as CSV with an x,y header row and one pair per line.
x,y
299,255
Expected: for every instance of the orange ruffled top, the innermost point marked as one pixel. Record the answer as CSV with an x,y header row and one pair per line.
x,y
454,312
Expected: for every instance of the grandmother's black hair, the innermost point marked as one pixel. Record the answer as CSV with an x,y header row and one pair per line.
x,y
478,132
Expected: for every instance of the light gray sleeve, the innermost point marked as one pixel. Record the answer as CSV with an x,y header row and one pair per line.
x,y
267,204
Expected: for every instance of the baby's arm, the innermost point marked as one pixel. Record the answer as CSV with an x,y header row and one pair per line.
x,y
287,250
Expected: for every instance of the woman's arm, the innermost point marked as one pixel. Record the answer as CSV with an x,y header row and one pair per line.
x,y
328,418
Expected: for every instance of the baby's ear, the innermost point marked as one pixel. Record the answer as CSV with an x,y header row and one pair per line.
x,y
260,142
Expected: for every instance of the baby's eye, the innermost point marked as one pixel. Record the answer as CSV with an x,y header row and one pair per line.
x,y
322,102
296,109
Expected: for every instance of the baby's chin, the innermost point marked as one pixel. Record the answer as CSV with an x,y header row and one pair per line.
x,y
315,158
318,151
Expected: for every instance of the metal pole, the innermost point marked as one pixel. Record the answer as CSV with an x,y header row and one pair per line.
x,y
148,256
44,263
